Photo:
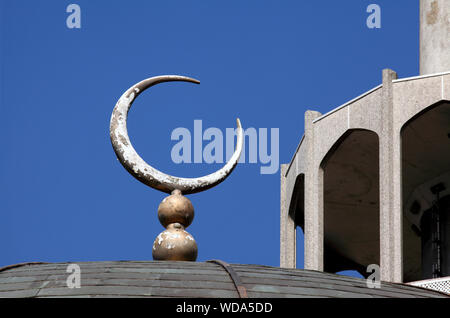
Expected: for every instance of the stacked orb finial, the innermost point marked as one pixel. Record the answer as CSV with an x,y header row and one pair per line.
x,y
176,211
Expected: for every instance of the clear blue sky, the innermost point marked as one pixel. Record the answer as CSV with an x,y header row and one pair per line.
x,y
63,194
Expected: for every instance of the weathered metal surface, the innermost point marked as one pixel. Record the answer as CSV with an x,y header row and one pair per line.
x,y
142,171
187,279
180,283
121,276
4,268
138,291
242,291
128,271
175,244
175,213
26,293
176,208
327,284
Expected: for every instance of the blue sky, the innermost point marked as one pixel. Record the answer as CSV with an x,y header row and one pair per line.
x,y
63,194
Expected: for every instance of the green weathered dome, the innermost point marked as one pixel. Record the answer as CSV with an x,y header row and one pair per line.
x,y
188,279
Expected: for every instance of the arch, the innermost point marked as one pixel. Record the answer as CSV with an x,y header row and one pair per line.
x,y
423,111
350,171
425,151
339,141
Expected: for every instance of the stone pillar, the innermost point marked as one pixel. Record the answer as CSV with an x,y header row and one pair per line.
x,y
390,188
434,36
397,210
313,200
288,231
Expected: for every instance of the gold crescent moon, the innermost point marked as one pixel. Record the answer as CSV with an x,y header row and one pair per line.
x,y
141,170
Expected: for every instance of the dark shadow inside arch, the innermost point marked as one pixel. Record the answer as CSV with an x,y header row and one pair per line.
x,y
297,213
297,205
426,193
351,203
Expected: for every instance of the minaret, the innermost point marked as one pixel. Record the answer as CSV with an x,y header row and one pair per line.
x,y
434,36
369,182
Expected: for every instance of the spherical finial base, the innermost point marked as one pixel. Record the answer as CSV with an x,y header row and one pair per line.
x,y
175,244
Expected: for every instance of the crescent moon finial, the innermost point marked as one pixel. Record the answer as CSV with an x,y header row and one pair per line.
x,y
142,171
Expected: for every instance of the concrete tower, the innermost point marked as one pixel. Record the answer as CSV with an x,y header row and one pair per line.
x,y
370,180
434,36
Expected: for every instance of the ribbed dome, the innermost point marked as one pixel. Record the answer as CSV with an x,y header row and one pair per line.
x,y
188,279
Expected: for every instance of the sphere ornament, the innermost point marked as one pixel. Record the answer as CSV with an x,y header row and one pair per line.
x,y
175,244
176,208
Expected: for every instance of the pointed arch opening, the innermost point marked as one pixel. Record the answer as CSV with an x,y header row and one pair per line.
x,y
297,213
426,193
351,203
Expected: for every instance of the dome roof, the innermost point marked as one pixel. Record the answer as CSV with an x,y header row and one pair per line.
x,y
213,279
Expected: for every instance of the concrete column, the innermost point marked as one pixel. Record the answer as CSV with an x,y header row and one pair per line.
x,y
390,188
313,200
288,231
434,36
397,211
